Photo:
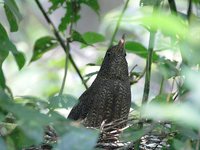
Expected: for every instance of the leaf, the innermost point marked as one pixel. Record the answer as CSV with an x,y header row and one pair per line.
x,y
149,2
92,4
43,45
168,68
13,8
76,36
92,37
6,45
55,5
63,101
78,138
30,121
139,50
11,19
71,15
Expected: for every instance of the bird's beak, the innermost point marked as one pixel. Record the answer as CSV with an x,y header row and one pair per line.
x,y
121,43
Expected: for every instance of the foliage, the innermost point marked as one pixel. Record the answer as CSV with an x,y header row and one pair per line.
x,y
23,118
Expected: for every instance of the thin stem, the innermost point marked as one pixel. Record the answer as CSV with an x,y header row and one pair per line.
x,y
65,71
118,23
60,40
189,9
172,6
161,85
148,68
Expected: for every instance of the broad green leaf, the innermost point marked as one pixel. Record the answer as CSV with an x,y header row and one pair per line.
x,y
62,101
149,2
13,8
6,45
76,36
30,121
11,19
92,37
139,49
92,4
43,45
78,138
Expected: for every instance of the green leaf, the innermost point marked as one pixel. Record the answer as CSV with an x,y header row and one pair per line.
x,y
76,36
11,19
43,45
62,101
6,45
92,37
13,8
55,5
168,68
78,138
92,4
71,15
139,50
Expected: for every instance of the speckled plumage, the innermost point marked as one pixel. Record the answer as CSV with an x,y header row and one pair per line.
x,y
109,96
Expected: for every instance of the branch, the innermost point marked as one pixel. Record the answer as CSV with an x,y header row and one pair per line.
x,y
118,23
60,40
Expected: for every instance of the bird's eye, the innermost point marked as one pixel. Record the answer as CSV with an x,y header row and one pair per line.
x,y
108,53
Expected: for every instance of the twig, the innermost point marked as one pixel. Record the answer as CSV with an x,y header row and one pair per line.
x,y
139,77
60,40
118,23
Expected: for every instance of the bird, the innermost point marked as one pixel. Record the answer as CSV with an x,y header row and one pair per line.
x,y
109,96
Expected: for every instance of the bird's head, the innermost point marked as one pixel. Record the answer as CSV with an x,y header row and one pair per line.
x,y
114,64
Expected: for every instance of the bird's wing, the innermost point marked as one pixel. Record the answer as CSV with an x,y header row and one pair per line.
x,y
80,110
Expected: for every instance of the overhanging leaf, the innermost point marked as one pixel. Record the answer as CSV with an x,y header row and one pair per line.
x,y
139,49
6,45
92,37
43,45
92,4
11,19
76,36
13,7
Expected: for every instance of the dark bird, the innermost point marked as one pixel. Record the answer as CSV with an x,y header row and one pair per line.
x,y
109,97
